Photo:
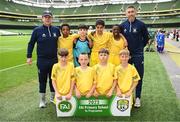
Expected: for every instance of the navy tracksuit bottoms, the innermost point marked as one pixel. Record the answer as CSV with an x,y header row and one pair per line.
x,y
138,62
44,72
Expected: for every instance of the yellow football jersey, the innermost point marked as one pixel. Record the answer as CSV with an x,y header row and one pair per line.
x,y
98,43
84,79
104,78
68,44
126,76
63,77
114,48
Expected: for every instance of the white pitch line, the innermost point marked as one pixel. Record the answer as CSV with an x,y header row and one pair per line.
x,y
2,70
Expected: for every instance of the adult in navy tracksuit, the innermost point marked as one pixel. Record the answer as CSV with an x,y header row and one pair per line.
x,y
136,34
46,37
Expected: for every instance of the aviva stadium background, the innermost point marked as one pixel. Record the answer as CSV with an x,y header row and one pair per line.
x,y
19,82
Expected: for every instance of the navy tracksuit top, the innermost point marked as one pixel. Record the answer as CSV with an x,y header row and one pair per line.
x,y
46,38
137,36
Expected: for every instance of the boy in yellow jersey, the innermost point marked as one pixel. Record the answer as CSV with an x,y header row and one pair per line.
x,y
126,75
63,76
117,43
66,40
104,75
100,40
85,77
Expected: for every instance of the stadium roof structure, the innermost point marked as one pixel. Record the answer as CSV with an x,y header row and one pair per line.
x,y
78,3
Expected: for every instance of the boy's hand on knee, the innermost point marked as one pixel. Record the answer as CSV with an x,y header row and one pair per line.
x,y
109,94
68,96
96,94
58,96
119,94
128,94
88,95
78,94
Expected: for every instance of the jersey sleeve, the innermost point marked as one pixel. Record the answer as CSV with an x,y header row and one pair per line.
x,y
72,73
54,73
75,74
31,44
94,76
135,74
116,73
113,71
75,36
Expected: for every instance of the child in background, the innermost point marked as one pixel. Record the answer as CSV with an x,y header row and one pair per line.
x,y
63,76
84,77
126,75
82,44
66,40
104,75
117,43
160,41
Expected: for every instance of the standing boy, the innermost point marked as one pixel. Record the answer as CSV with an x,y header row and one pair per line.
x,y
82,44
66,40
100,40
117,43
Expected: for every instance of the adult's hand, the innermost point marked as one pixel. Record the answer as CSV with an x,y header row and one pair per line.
x,y
29,61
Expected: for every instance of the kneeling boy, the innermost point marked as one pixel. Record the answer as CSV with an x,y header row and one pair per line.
x,y
63,76
85,77
126,75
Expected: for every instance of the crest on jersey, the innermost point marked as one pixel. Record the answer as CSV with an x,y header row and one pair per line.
x,y
43,35
54,35
134,30
125,30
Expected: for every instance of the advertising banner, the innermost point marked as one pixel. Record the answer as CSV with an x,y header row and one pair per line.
x,y
101,106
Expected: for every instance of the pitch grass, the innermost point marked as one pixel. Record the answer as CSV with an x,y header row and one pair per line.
x,y
159,102
13,50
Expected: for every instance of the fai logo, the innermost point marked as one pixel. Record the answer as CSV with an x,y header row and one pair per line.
x,y
43,35
64,106
122,105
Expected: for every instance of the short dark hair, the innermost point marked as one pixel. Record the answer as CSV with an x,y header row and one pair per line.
x,y
103,50
131,6
100,22
65,24
63,52
83,26
120,28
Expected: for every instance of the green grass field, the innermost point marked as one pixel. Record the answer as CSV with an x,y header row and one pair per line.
x,y
19,89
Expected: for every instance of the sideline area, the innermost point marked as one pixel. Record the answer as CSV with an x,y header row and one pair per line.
x,y
171,61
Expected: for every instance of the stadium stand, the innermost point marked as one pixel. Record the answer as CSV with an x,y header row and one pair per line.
x,y
151,13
